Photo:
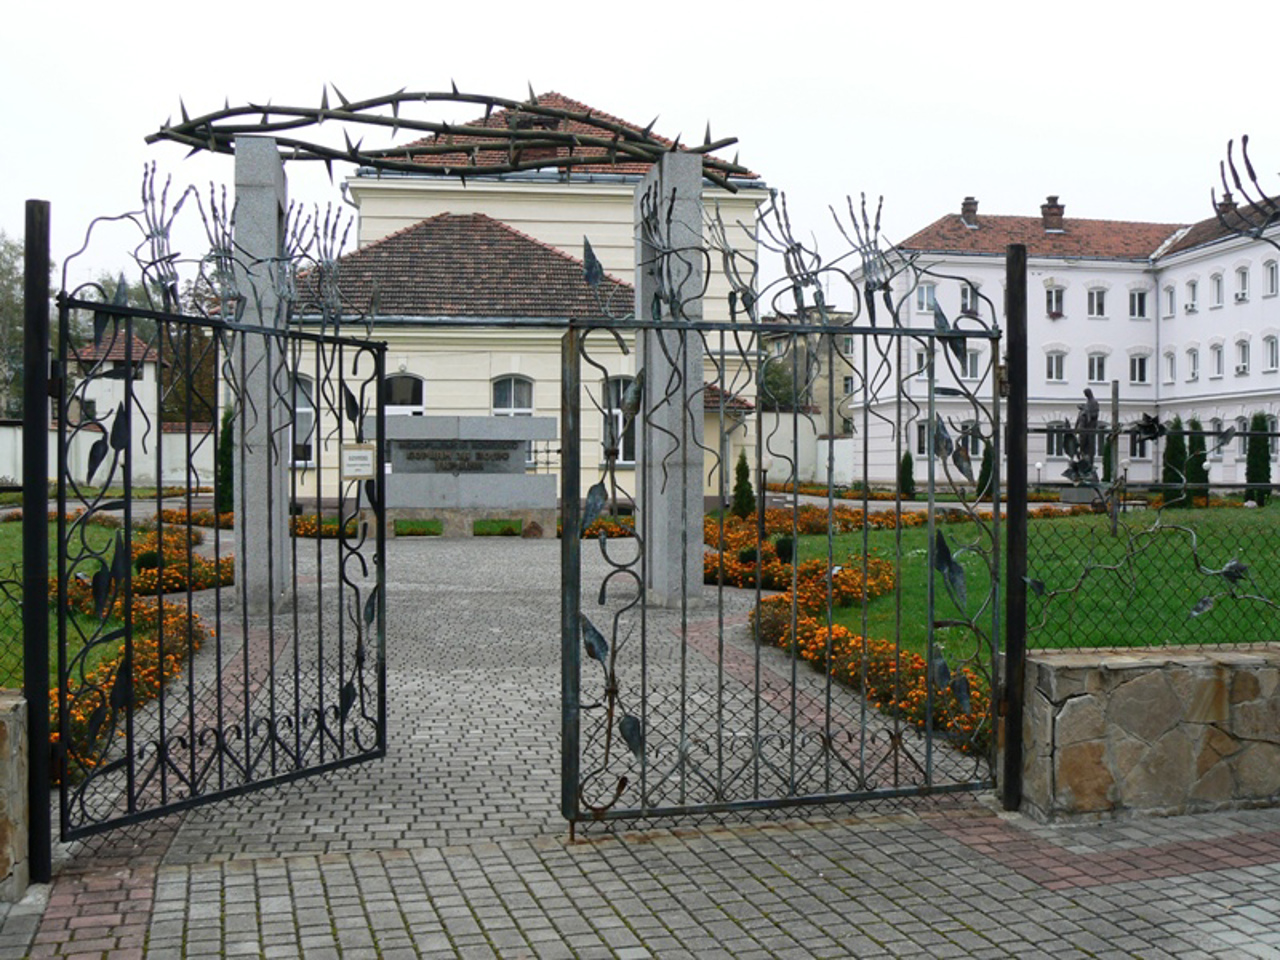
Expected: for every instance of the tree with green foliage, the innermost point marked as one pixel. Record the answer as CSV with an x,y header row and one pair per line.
x,y
744,498
1197,463
907,476
226,463
1106,459
1173,465
1257,464
11,326
783,381
984,472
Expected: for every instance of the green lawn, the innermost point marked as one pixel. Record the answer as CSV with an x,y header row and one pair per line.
x,y
419,528
1136,589
497,528
11,613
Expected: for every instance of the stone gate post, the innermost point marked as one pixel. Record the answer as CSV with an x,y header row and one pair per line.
x,y
263,441
670,267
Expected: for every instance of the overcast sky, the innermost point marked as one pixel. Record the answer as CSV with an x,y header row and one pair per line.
x,y
1123,109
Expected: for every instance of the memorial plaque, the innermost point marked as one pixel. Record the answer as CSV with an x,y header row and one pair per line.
x,y
458,456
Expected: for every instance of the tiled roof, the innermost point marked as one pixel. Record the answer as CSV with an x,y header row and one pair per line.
x,y
503,119
471,265
1096,239
114,348
1214,228
732,401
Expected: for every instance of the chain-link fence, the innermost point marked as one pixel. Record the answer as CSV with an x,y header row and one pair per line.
x,y
1172,559
11,627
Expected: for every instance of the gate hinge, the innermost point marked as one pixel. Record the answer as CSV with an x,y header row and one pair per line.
x,y
1002,379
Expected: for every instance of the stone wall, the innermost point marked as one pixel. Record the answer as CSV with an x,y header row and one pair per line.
x,y
1111,732
13,796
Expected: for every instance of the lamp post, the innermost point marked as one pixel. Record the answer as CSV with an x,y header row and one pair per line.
x,y
1039,467
766,462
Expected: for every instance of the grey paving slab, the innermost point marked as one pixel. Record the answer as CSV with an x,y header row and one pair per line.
x,y
452,846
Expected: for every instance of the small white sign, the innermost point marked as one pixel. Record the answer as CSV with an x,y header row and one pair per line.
x,y
359,461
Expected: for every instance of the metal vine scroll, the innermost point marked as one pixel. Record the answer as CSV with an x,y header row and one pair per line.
x,y
802,678
171,690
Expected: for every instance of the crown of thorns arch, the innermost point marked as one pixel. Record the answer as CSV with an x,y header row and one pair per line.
x,y
519,145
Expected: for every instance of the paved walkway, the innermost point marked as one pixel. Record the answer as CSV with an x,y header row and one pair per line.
x,y
452,846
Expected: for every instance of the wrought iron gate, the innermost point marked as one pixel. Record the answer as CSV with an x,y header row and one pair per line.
x,y
198,659
836,643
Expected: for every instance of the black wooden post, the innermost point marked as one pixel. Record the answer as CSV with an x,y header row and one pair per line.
x,y
35,535
1016,530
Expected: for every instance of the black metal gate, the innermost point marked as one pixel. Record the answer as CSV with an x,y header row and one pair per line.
x,y
837,641
202,655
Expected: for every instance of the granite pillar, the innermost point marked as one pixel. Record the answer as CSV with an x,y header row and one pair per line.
x,y
262,469
669,282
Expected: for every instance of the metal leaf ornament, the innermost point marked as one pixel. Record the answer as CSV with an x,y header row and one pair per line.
x,y
952,572
1224,438
597,646
97,453
120,430
960,687
632,732
1203,606
963,462
1234,571
941,672
593,270
942,444
943,325
1034,585
597,498
1149,428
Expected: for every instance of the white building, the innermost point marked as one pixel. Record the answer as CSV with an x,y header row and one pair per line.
x,y
1185,317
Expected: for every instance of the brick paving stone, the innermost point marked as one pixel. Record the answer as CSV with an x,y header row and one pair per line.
x,y
452,845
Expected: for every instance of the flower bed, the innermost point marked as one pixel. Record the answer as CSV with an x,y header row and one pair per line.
x,y
313,526
200,518
165,635
893,681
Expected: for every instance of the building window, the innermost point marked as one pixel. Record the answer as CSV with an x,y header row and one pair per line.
x,y
1097,368
513,397
922,364
922,440
847,346
1137,446
1215,439
925,297
1242,358
1054,364
1215,360
1054,442
1138,369
120,369
1271,346
972,365
969,299
1242,285
1170,367
1215,290
1271,271
304,422
1193,297
1097,303
1242,437
619,431
1137,304
847,385
1170,301
1053,302
1193,364
404,395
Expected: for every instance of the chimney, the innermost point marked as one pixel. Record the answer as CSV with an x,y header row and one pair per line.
x,y
969,212
1227,204
1051,212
